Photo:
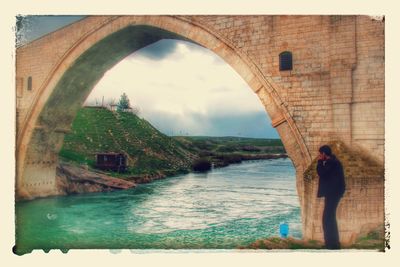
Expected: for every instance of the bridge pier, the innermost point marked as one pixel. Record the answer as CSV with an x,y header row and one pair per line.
x,y
360,210
39,180
36,172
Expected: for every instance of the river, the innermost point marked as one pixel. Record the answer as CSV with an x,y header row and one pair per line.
x,y
222,209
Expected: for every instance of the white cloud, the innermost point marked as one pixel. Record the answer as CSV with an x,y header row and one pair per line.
x,y
188,80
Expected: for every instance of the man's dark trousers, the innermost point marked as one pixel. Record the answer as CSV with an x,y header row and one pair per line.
x,y
329,223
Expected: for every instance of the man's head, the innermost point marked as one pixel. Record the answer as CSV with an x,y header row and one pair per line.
x,y
325,152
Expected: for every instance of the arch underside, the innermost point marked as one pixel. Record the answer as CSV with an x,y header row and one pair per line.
x,y
79,80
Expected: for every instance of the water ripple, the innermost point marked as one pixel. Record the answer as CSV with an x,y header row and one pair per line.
x,y
226,208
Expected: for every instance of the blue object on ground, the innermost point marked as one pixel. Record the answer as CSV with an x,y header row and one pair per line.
x,y
284,230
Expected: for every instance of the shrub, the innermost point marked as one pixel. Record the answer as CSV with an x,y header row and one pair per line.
x,y
201,165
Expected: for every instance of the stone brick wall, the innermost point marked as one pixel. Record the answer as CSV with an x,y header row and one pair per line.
x,y
39,58
338,71
362,207
368,109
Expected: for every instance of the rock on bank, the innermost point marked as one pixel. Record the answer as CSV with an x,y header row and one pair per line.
x,y
72,180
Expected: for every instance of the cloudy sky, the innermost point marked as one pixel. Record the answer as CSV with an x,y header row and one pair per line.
x,y
180,87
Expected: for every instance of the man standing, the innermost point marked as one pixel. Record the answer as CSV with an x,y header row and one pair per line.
x,y
332,187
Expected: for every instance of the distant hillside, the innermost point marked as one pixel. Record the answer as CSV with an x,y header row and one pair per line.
x,y
230,144
226,150
98,130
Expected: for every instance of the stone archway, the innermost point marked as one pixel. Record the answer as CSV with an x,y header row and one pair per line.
x,y
76,74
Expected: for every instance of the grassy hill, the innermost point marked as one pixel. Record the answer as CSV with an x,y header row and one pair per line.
x,y
98,130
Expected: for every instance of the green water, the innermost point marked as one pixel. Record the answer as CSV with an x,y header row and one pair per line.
x,y
223,209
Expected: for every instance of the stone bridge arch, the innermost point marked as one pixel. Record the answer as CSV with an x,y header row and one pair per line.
x,y
73,61
50,117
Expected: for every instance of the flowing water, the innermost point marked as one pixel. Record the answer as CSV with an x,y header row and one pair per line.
x,y
224,208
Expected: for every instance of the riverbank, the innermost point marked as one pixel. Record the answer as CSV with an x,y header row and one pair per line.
x,y
224,160
73,179
374,240
78,179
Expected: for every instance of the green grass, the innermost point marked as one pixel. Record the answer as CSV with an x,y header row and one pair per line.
x,y
229,144
372,240
97,130
237,140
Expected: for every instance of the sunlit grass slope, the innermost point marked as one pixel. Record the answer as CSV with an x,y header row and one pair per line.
x,y
98,130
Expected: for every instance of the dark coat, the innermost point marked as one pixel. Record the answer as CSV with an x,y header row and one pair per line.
x,y
331,178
